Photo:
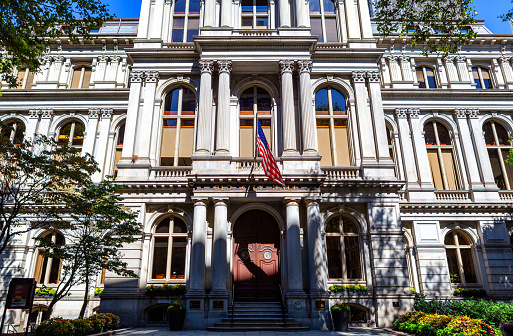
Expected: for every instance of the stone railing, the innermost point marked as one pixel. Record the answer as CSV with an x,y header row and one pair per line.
x,y
506,195
248,164
342,173
170,173
452,195
255,32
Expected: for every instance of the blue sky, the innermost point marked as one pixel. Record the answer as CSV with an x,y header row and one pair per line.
x,y
487,9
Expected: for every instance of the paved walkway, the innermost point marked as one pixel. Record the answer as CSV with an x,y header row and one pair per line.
x,y
155,331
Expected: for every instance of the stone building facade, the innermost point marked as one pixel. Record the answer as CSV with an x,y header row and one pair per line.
x,y
394,162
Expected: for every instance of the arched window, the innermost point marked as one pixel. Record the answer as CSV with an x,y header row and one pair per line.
x,y
178,128
343,248
25,79
120,137
169,249
48,270
72,134
81,77
332,129
425,77
255,104
391,147
255,14
186,16
323,20
440,150
482,78
498,145
460,258
15,131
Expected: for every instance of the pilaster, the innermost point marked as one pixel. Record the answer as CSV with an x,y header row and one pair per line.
x,y
419,146
223,109
103,143
143,139
91,130
302,18
199,241
310,146
220,259
203,145
507,71
287,106
33,123
45,121
284,13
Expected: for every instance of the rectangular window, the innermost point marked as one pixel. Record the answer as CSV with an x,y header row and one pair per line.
x,y
468,265
341,142
177,33
167,150
317,28
192,29
436,173
160,258
335,260
331,29
450,170
452,260
246,138
352,258
178,258
323,136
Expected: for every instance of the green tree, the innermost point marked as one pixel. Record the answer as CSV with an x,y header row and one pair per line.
x,y
34,175
99,225
27,27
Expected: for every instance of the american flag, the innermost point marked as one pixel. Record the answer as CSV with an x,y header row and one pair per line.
x,y
271,170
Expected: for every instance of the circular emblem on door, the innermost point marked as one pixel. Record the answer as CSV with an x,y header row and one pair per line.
x,y
267,255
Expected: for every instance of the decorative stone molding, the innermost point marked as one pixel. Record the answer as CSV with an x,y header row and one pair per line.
x,y
286,66
407,112
224,66
151,76
103,58
34,114
464,112
449,58
305,66
46,113
504,59
115,58
460,59
373,76
94,113
206,66
392,58
107,113
404,58
359,76
136,76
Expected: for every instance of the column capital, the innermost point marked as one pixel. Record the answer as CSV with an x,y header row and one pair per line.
x,y
107,113
206,66
151,76
46,113
94,113
200,201
404,58
460,59
286,66
305,66
220,201
373,76
224,66
464,112
312,201
103,58
504,59
358,76
291,201
136,76
449,58
34,113
115,58
407,113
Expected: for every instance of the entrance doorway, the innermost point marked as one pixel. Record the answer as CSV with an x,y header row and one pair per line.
x,y
256,262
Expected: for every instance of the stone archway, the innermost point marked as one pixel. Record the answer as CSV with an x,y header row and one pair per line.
x,y
256,259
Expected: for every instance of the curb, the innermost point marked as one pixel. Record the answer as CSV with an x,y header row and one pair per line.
x,y
112,332
396,332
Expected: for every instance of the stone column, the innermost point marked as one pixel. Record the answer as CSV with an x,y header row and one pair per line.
x,y
294,262
45,122
33,122
103,142
223,108
287,107
91,131
101,67
143,139
419,146
507,71
461,62
364,118
406,143
353,24
378,116
205,108
220,258
136,80
226,13
481,150
301,13
199,241
318,271
310,146
209,13
284,13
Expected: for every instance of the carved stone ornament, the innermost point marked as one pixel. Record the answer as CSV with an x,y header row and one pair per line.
x,y
413,112
206,66
401,113
224,66
504,59
404,58
373,76
136,76
94,113
115,58
392,58
359,76
151,76
286,66
460,113
305,66
103,58
449,59
34,113
46,113
460,59
464,112
107,113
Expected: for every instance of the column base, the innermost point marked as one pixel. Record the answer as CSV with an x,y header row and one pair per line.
x,y
218,303
197,306
296,303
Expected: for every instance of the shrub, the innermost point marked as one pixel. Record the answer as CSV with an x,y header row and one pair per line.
x,y
98,291
177,305
55,327
83,327
340,307
166,290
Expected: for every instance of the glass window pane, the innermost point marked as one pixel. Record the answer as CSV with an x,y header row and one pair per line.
x,y
508,167
502,135
315,6
329,6
450,169
41,276
177,34
247,22
449,239
333,225
452,261
261,6
331,29
431,78
436,172
486,78
468,265
192,29
462,240
443,134
261,22
342,143
246,102
159,258
18,134
321,102
338,102
476,78
194,6
121,135
163,226
55,271
334,257
323,138
263,102
247,6
420,78
349,226
179,226
246,138
317,28
489,138
352,257
180,6
496,168
429,134
78,135
178,258
171,104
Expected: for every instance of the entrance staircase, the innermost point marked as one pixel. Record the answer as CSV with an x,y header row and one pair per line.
x,y
252,315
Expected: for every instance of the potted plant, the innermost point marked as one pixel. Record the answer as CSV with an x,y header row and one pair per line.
x,y
340,316
176,315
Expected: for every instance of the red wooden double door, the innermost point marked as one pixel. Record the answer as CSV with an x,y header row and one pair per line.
x,y
256,264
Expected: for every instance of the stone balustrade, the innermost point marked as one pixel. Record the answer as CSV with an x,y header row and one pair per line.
x,y
173,173
452,195
342,173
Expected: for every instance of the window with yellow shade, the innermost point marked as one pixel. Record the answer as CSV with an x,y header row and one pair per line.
x,y
169,249
460,258
332,127
498,145
120,136
25,79
47,269
81,77
72,134
178,128
255,104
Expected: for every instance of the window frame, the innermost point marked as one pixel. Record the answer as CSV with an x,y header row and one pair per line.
x,y
118,146
44,279
255,15
73,123
81,83
480,70
14,123
457,247
322,15
169,235
424,69
186,18
499,148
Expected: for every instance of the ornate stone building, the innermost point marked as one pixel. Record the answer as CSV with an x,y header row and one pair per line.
x,y
395,163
